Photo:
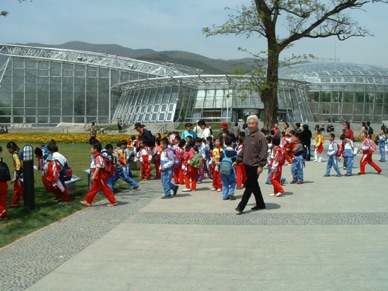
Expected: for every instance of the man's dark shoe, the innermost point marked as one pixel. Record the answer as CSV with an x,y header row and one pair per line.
x,y
175,190
257,208
238,210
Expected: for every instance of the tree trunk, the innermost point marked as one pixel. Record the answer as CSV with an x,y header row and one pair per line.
x,y
269,95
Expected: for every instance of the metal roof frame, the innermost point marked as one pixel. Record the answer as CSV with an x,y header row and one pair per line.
x,y
196,81
89,58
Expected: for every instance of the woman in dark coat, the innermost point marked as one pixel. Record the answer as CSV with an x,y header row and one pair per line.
x,y
306,140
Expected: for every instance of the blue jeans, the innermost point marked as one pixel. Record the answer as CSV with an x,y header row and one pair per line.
x,y
297,168
121,173
332,162
166,177
128,170
382,151
349,164
268,176
228,185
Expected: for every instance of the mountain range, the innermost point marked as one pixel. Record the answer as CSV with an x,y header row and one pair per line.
x,y
203,64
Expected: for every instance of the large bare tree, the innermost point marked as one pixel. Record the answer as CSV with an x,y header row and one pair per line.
x,y
301,19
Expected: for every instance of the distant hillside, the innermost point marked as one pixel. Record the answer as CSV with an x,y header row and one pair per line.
x,y
204,64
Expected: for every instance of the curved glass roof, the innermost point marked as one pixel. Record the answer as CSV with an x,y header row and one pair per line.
x,y
89,58
336,73
198,81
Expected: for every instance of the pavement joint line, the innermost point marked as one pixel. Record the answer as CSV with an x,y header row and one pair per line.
x,y
28,260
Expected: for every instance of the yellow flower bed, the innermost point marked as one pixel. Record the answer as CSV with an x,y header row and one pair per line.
x,y
43,137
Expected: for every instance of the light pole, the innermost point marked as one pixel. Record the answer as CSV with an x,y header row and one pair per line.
x,y
28,177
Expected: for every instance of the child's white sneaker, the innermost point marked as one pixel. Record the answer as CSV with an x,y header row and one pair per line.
x,y
186,190
219,190
213,189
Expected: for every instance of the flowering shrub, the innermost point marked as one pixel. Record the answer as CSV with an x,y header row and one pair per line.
x,y
45,137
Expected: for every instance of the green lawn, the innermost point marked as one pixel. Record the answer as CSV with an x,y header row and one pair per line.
x,y
22,221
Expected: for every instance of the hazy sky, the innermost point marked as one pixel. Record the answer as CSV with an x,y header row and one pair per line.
x,y
173,25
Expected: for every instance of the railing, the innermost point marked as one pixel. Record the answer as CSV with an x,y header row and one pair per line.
x,y
163,129
64,129
177,123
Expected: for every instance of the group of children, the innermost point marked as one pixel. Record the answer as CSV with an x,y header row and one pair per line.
x,y
49,161
187,161
287,149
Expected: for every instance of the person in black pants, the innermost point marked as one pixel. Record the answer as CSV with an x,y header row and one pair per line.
x,y
254,157
306,140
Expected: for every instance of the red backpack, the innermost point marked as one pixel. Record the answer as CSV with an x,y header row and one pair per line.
x,y
339,150
109,167
372,145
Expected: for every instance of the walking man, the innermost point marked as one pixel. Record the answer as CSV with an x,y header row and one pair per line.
x,y
254,157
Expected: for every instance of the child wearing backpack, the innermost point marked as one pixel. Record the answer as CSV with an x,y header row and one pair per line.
x,y
318,146
348,153
61,194
332,160
217,184
18,187
98,178
201,171
276,163
367,152
178,149
129,154
228,173
120,172
167,167
4,178
208,154
51,179
189,172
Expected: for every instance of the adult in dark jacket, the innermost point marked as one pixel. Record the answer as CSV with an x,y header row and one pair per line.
x,y
254,157
144,136
306,140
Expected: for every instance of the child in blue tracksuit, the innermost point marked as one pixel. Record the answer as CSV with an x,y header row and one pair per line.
x,y
381,138
348,153
167,169
332,160
228,180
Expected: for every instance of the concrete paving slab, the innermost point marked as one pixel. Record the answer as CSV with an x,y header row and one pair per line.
x,y
327,234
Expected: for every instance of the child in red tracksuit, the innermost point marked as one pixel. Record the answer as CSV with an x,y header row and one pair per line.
x,y
189,172
51,179
98,178
178,171
217,184
241,176
145,160
276,163
367,155
3,197
289,146
18,187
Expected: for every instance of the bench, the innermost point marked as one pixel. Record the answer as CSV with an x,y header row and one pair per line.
x,y
71,184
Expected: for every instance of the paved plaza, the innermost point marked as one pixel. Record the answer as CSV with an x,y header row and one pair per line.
x,y
331,233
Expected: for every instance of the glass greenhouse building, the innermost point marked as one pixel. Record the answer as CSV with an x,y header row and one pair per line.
x,y
343,91
46,86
